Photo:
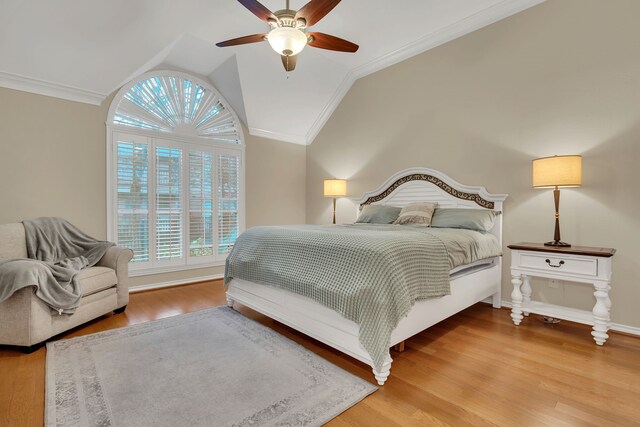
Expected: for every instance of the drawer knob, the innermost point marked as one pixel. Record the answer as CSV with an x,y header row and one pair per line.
x,y
558,265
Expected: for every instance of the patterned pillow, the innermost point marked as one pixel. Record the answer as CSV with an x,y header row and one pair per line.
x,y
418,213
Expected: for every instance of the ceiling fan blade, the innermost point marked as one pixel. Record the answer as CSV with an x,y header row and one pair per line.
x,y
243,40
289,62
329,42
315,10
259,10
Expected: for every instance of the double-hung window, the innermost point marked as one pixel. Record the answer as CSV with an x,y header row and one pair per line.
x,y
175,173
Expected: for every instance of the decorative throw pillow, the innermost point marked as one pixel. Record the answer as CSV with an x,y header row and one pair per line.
x,y
378,214
471,219
418,213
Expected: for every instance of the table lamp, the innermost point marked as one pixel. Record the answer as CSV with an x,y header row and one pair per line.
x,y
335,188
555,172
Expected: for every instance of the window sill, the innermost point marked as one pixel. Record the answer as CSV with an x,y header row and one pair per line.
x,y
172,268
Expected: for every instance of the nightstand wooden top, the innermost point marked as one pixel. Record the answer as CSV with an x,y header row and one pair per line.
x,y
573,250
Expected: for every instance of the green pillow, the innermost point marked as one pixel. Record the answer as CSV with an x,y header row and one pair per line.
x,y
378,214
471,219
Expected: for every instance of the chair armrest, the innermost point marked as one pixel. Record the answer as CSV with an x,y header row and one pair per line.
x,y
117,258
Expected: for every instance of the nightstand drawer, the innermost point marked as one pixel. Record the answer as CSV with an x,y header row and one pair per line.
x,y
559,263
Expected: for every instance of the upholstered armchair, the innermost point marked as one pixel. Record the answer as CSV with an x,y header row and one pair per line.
x,y
28,322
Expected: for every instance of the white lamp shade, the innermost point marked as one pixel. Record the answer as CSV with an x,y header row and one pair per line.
x,y
557,171
335,188
287,41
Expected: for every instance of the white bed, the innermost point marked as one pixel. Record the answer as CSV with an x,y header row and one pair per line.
x,y
469,284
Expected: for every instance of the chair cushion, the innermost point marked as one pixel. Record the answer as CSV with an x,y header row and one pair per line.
x,y
96,279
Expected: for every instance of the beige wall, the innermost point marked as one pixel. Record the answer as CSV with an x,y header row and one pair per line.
x,y
52,163
560,78
52,160
276,182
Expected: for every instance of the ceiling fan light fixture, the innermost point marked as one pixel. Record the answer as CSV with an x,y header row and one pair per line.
x,y
287,41
288,35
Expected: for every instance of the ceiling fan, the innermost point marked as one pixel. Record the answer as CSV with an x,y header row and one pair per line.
x,y
288,34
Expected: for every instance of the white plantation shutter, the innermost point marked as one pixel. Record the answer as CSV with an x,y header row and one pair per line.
x,y
168,203
175,175
201,209
132,195
228,166
164,103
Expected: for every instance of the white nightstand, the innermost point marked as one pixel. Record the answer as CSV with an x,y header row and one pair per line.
x,y
575,264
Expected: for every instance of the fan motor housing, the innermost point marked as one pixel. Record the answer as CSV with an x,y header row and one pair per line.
x,y
287,18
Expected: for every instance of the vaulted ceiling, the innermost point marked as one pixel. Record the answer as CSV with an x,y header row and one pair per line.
x,y
85,50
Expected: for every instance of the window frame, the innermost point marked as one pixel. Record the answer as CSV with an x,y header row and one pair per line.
x,y
185,142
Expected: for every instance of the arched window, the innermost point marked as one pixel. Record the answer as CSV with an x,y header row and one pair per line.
x,y
175,187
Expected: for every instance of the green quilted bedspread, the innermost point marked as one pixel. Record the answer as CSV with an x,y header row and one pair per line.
x,y
371,274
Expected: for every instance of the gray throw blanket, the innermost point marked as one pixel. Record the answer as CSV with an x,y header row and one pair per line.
x,y
371,274
57,252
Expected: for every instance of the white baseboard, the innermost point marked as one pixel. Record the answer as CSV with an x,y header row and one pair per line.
x,y
571,315
562,312
631,330
161,285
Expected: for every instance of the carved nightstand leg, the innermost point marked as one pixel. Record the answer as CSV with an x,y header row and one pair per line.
x,y
526,294
601,314
516,299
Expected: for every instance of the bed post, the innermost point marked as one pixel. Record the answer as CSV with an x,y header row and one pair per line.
x,y
230,301
382,375
496,299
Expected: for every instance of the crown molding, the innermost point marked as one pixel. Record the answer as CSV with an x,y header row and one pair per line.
x,y
330,107
453,31
284,137
460,28
43,87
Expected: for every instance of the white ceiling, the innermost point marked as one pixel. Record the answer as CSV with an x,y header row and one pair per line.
x,y
85,49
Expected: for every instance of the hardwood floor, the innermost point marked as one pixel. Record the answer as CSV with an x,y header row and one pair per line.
x,y
475,368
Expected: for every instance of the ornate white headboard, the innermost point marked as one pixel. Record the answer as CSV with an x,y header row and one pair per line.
x,y
428,185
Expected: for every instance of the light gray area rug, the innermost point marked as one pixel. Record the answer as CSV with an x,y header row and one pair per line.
x,y
209,368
